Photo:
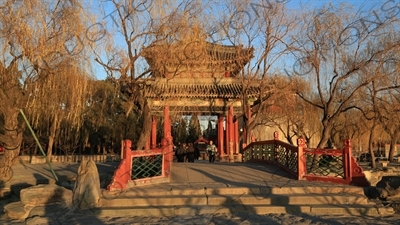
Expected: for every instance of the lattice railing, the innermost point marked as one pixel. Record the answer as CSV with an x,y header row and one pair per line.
x,y
146,166
287,158
261,151
273,151
327,162
331,165
140,167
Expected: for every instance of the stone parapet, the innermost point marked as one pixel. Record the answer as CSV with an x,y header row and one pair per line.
x,y
70,158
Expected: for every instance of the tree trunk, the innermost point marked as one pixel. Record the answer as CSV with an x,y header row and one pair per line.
x,y
393,143
146,130
326,133
12,139
52,135
370,147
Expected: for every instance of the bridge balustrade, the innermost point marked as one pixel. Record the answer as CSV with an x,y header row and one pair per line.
x,y
330,165
139,167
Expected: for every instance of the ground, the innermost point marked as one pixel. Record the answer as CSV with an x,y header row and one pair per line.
x,y
87,218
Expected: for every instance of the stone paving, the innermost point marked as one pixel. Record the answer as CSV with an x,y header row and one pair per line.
x,y
188,175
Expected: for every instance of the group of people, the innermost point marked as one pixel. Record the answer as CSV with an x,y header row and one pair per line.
x,y
188,153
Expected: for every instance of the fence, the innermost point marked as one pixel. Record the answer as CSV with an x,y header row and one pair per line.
x,y
329,165
69,158
141,167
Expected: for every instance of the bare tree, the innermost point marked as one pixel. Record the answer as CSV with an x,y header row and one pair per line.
x,y
334,48
266,27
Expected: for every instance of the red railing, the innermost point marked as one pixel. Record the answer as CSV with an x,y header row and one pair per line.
x,y
126,175
329,165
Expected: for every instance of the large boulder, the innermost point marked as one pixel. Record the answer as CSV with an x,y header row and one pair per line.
x,y
45,194
86,192
389,187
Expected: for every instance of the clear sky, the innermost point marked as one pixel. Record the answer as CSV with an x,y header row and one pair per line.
x,y
105,12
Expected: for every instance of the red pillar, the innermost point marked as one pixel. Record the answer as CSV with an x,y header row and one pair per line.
x,y
231,127
220,134
226,136
236,136
168,149
154,133
301,159
346,158
167,124
249,120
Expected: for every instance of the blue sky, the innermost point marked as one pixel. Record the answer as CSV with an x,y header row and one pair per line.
x,y
105,12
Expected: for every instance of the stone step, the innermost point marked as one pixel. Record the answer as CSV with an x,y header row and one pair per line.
x,y
178,191
349,210
246,199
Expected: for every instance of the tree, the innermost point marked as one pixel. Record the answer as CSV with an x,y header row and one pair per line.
x,y
38,39
266,27
334,60
194,130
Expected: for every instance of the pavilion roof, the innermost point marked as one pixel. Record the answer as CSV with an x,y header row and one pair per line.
x,y
194,54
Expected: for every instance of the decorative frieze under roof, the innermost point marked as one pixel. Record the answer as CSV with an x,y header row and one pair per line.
x,y
207,96
209,88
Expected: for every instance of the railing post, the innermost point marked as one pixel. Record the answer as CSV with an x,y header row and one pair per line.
x,y
128,158
123,173
276,135
347,160
167,157
276,138
301,159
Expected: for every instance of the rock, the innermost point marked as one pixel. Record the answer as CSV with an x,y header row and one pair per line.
x,y
49,210
38,221
17,210
5,193
392,186
87,193
45,194
373,177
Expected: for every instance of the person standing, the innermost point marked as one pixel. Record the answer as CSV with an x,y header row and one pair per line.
x,y
180,153
190,152
212,151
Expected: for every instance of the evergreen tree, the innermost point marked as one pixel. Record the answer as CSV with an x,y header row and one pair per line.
x,y
194,129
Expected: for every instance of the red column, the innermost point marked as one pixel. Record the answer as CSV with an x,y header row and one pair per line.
x,y
231,127
227,136
154,133
220,135
301,159
249,120
167,124
346,158
168,149
236,136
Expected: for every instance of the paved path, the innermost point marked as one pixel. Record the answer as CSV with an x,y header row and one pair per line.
x,y
191,175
